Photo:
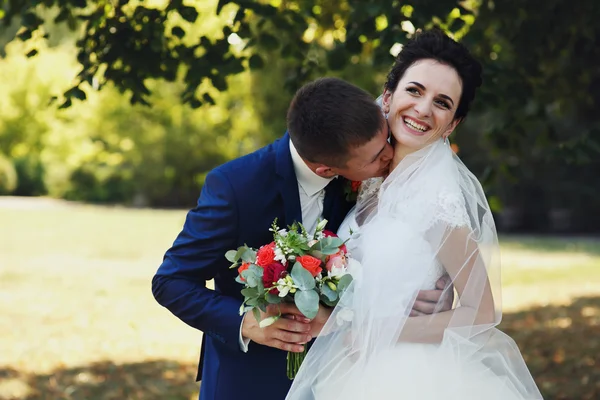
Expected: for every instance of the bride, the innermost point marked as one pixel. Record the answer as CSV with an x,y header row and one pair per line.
x,y
428,218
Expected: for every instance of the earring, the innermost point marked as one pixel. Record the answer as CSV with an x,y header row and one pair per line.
x,y
446,141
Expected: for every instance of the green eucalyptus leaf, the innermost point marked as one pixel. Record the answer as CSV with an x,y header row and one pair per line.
x,y
307,302
249,292
302,278
343,284
330,294
256,313
248,255
327,302
231,256
257,270
253,280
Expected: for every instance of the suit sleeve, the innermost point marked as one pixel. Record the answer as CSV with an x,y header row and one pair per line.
x,y
197,256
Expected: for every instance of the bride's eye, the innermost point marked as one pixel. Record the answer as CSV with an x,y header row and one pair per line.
x,y
443,104
412,90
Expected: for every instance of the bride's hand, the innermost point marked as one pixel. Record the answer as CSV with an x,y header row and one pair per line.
x,y
427,300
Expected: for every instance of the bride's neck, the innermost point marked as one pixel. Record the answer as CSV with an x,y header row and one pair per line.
x,y
400,151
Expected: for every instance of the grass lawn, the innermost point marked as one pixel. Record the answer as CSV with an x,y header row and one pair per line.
x,y
78,320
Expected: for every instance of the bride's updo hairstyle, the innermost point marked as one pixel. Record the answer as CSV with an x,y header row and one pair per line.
x,y
436,45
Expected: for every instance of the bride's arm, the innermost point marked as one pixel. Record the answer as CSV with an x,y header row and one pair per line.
x,y
462,259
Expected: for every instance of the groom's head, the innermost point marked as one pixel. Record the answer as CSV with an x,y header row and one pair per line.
x,y
338,129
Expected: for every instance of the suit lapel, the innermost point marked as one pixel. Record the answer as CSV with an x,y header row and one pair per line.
x,y
288,183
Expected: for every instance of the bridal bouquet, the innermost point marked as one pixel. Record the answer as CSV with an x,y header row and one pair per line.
x,y
296,267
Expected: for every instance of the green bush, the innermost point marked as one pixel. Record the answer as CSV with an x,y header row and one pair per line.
x,y
8,176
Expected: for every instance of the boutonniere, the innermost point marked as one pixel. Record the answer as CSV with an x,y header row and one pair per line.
x,y
351,189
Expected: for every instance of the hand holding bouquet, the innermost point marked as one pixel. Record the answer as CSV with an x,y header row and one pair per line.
x,y
296,267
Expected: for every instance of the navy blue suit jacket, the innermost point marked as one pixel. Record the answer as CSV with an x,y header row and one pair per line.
x,y
237,205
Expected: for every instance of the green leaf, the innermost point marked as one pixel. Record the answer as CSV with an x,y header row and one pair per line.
x,y
256,313
249,255
307,302
302,278
257,270
221,4
332,242
231,256
343,284
327,302
249,292
331,295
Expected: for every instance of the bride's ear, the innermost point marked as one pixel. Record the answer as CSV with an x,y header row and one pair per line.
x,y
451,128
385,101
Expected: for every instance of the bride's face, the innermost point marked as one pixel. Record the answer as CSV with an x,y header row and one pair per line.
x,y
421,109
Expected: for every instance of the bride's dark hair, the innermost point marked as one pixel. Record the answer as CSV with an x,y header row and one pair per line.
x,y
436,45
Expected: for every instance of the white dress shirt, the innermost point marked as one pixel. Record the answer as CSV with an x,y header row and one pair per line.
x,y
311,188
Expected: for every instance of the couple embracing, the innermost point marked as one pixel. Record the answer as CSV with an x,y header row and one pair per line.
x,y
425,305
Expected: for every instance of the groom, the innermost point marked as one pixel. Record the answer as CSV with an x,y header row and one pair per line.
x,y
335,130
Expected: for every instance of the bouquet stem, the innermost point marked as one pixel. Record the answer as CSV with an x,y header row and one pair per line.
x,y
294,361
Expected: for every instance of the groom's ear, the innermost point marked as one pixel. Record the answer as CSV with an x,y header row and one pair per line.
x,y
325,172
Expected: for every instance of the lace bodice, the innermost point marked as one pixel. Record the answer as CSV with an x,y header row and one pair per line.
x,y
411,210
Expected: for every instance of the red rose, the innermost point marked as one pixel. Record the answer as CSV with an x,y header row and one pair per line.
x,y
271,275
266,255
355,186
311,264
343,248
242,268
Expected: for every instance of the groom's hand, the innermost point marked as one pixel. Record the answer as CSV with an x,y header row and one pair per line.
x,y
288,333
428,300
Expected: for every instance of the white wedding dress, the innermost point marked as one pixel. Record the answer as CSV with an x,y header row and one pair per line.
x,y
428,213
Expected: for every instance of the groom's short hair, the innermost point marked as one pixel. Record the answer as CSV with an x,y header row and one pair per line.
x,y
328,117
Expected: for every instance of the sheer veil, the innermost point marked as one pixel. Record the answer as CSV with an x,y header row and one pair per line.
x,y
430,217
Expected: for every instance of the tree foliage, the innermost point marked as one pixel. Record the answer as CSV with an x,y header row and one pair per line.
x,y
128,43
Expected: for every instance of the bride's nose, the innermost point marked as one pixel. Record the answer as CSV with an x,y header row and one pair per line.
x,y
423,107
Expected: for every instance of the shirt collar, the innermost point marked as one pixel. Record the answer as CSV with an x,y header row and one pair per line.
x,y
310,182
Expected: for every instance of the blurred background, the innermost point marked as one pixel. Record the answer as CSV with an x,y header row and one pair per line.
x,y
113,111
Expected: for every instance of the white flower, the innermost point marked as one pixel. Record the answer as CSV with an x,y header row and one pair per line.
x,y
344,315
282,232
279,255
321,225
337,271
268,321
354,267
284,285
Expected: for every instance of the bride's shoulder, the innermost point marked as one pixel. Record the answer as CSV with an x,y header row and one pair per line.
x,y
450,205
